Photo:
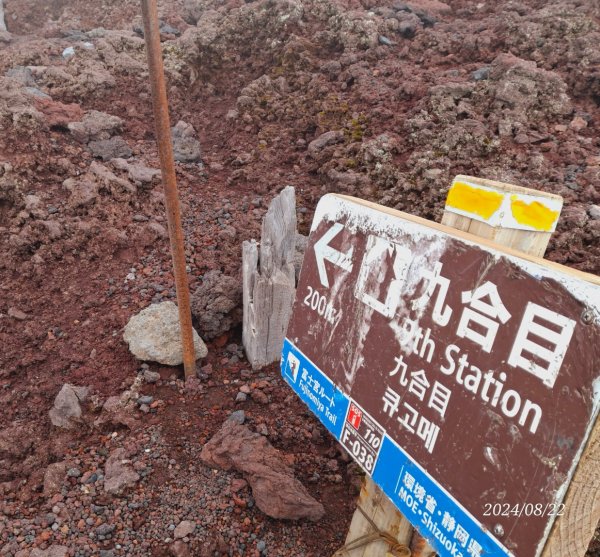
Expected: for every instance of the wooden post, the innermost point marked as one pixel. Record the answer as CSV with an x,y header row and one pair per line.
x,y
2,22
383,513
522,219
572,532
470,200
269,282
420,547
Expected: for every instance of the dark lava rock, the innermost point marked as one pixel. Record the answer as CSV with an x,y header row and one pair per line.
x,y
216,304
114,148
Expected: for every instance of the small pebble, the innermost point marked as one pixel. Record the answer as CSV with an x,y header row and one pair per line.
x,y
481,74
151,376
239,417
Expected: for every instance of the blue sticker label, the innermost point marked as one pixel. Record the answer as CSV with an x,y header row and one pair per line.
x,y
317,391
450,529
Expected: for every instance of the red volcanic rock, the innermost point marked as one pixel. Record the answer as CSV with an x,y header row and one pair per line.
x,y
276,492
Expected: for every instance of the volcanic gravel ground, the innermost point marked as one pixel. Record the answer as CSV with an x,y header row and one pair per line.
x,y
384,100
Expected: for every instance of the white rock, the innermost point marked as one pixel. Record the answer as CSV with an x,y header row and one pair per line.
x,y
184,528
594,212
154,335
68,52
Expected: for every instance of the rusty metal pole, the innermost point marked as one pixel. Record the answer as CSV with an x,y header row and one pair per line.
x,y
167,166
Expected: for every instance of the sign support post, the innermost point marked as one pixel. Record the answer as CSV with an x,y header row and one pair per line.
x,y
572,532
466,197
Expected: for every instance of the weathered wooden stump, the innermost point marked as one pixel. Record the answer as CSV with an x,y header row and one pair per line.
x,y
269,281
2,22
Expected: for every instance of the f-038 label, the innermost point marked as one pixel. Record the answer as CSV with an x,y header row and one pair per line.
x,y
362,437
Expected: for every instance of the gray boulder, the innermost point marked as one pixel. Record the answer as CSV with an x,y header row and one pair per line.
x,y
192,10
594,212
139,174
66,412
95,126
186,148
113,148
154,335
151,376
217,304
22,74
325,140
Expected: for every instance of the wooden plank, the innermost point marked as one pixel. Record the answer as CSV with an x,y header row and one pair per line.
x,y
533,243
2,22
269,284
572,532
384,514
509,188
529,233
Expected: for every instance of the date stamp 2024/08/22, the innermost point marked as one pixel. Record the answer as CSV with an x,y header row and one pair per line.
x,y
523,509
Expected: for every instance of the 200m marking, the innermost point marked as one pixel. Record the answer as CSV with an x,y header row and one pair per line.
x,y
318,302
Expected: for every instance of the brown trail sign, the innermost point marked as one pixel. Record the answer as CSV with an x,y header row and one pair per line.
x,y
444,365
486,209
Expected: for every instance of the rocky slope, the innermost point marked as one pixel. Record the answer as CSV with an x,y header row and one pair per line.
x,y
386,100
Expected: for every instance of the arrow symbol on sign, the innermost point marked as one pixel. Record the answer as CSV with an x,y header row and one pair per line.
x,y
324,252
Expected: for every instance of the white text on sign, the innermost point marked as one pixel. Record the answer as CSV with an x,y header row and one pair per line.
x,y
539,347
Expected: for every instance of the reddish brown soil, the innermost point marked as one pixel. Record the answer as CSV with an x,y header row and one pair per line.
x,y
73,289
